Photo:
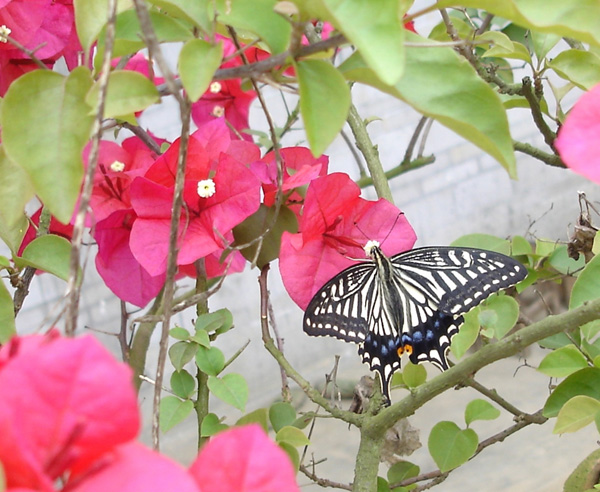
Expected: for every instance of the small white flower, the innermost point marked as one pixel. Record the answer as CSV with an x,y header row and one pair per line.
x,y
117,166
215,87
4,33
218,111
206,188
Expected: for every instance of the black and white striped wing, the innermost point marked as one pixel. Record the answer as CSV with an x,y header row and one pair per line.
x,y
439,284
343,307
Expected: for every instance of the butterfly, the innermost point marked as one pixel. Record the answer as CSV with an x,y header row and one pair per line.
x,y
411,303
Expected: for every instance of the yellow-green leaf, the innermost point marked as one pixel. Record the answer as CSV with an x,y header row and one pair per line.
x,y
15,190
578,412
198,62
378,33
49,253
127,92
91,16
45,125
440,84
324,102
7,315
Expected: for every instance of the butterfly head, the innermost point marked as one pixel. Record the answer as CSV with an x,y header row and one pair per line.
x,y
370,247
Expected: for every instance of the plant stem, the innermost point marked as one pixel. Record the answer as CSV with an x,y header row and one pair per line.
x,y
370,153
201,405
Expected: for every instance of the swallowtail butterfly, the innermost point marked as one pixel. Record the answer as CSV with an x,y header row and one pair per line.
x,y
410,303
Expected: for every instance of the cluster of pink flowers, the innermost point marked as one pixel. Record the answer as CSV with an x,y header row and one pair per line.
x,y
69,420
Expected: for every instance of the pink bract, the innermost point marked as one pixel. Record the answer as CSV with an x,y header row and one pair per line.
x,y
578,141
243,459
335,225
65,402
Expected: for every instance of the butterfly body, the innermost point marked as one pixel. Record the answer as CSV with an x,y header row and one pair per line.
x,y
409,303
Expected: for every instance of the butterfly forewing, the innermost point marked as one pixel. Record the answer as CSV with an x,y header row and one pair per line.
x,y
341,308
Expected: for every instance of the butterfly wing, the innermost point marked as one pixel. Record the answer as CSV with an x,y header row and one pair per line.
x,y
439,284
343,306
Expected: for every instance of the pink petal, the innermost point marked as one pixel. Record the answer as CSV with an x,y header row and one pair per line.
x,y
117,266
133,467
243,459
578,141
214,137
64,403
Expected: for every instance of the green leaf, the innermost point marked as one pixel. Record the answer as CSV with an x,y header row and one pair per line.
x,y
202,338
414,375
249,229
517,52
259,416
450,446
12,236
483,241
49,253
181,353
324,102
211,425
563,263
219,320
91,16
440,84
506,310
173,411
292,453
179,333
467,335
584,474
378,33
479,409
575,18
521,246
128,92
183,384
383,485
193,11
584,382
231,388
281,414
587,285
291,435
128,34
48,143
576,413
259,18
198,62
7,315
210,360
15,190
562,362
401,471
543,43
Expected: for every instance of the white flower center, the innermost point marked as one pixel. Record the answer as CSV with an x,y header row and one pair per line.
x,y
4,33
215,87
206,188
218,111
117,166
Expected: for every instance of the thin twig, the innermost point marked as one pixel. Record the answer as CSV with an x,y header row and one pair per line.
x,y
547,158
323,482
144,136
73,291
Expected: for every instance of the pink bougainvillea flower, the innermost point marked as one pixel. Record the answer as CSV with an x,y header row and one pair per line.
x,y
65,403
334,226
46,26
226,98
141,64
56,227
117,166
578,141
115,262
220,191
132,467
243,459
299,169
